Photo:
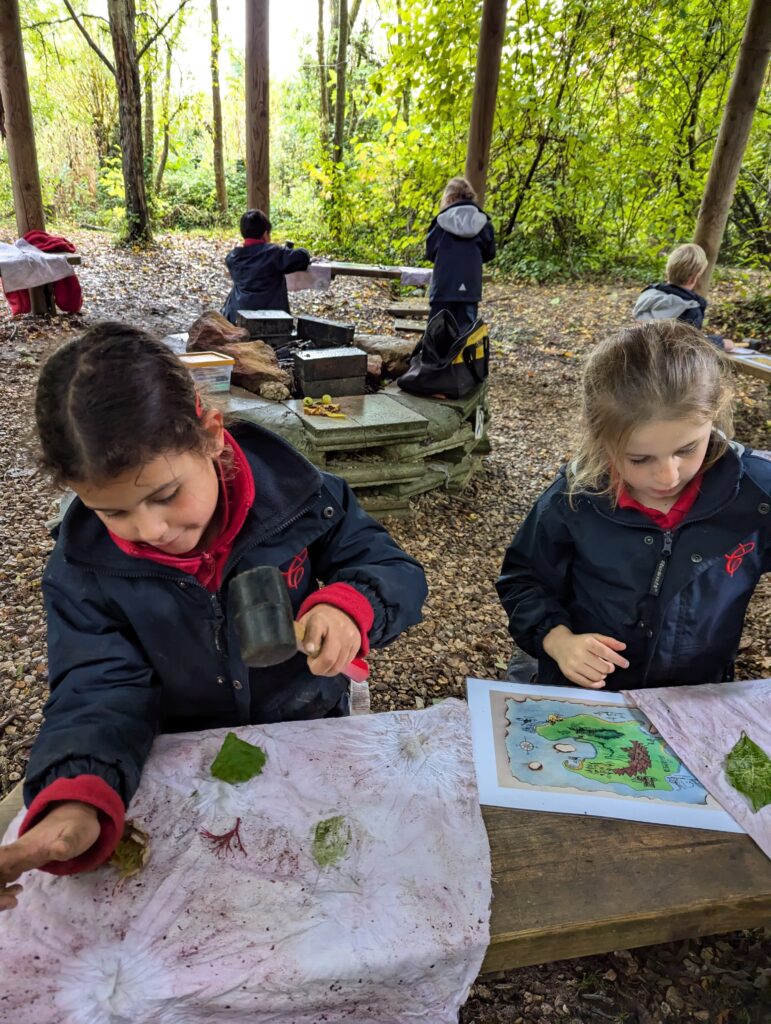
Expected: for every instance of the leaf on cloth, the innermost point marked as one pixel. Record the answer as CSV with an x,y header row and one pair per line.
x,y
132,852
748,768
331,839
238,761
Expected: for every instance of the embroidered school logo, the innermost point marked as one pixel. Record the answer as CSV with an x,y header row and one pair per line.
x,y
294,574
735,558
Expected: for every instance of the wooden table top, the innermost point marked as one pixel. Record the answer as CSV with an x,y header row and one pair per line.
x,y
756,364
567,885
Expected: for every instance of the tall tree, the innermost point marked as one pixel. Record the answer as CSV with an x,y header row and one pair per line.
x,y
338,138
491,33
257,106
217,138
734,131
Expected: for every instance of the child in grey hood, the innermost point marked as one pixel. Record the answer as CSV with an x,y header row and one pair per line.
x,y
460,239
676,299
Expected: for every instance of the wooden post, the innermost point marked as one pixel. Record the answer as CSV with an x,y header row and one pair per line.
x,y
257,106
491,35
20,136
734,131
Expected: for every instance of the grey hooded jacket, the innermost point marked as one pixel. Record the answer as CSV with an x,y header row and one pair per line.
x,y
459,241
670,302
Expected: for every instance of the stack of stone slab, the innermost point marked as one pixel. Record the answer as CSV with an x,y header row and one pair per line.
x,y
269,325
330,371
322,333
390,446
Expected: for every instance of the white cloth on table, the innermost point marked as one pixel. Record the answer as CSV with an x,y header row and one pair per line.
x,y
23,265
391,929
415,276
316,278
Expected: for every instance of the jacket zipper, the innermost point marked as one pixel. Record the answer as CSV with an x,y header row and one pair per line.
x,y
661,566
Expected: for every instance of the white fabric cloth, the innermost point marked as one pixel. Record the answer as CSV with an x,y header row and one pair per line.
x,y
415,276
702,724
22,265
394,932
316,278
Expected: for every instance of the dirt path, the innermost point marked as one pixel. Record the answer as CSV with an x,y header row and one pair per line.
x,y
539,337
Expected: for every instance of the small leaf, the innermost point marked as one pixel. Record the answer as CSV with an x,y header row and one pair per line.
x,y
748,768
238,761
331,838
132,852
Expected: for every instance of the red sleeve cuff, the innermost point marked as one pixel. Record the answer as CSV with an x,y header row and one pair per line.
x,y
349,600
88,789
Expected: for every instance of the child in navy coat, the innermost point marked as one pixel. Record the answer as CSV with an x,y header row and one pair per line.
x,y
259,268
635,567
141,634
460,239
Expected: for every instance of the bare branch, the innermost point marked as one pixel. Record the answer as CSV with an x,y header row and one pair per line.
x,y
88,38
151,39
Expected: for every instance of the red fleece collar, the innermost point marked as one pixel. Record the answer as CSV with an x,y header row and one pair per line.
x,y
236,498
255,241
678,512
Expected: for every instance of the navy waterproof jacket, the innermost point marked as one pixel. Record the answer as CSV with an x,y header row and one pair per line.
x,y
259,276
676,598
460,239
136,648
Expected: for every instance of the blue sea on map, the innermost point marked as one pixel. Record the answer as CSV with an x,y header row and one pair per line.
x,y
525,746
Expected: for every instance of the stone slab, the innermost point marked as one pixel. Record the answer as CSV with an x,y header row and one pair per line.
x,y
330,364
406,326
465,406
334,388
325,332
376,474
408,308
176,342
371,420
274,416
262,323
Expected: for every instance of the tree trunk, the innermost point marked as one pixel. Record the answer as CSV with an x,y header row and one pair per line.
x,y
165,122
321,52
257,106
491,35
122,14
734,131
219,149
342,57
149,119
20,137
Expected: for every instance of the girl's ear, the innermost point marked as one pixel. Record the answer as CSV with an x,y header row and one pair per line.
x,y
214,425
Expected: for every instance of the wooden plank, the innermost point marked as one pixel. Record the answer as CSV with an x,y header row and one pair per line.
x,y
409,325
408,308
755,364
568,885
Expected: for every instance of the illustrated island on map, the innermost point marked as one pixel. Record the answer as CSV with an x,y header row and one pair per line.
x,y
597,748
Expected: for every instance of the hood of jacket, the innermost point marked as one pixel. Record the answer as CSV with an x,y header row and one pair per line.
x,y
285,484
665,302
465,220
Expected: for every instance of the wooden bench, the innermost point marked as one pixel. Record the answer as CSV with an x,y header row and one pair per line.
x,y
566,885
755,364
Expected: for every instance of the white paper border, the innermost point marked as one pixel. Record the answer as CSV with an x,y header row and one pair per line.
x,y
633,809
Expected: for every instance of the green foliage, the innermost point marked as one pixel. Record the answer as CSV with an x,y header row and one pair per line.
x,y
748,768
238,761
606,118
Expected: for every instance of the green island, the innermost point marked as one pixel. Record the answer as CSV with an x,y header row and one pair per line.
x,y
624,752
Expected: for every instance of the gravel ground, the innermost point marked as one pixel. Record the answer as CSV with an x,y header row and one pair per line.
x,y
539,336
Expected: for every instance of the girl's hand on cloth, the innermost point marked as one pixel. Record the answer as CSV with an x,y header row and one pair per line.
x,y
584,658
68,829
332,639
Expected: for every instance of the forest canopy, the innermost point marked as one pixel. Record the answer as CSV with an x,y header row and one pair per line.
x,y
607,115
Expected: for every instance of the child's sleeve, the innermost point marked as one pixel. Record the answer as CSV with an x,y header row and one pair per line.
x,y
360,554
293,260
100,719
487,242
534,585
432,241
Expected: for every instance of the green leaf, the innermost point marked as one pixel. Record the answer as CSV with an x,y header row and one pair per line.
x,y
748,768
331,839
238,761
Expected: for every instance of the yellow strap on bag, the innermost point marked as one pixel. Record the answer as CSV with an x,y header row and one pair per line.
x,y
478,338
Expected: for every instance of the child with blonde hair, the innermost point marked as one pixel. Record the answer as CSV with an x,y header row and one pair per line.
x,y
460,239
635,568
676,298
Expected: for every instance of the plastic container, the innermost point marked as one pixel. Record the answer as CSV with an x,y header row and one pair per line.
x,y
210,370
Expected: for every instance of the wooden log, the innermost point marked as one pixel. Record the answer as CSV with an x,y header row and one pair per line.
x,y
257,106
491,33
